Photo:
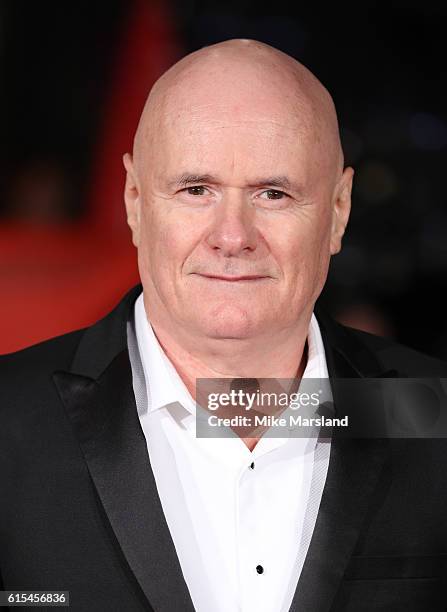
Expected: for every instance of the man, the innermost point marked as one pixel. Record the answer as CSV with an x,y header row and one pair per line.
x,y
237,197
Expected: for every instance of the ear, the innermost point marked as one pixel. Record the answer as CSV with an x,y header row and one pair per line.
x,y
132,199
341,209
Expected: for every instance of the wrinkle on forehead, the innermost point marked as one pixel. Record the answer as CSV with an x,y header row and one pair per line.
x,y
247,81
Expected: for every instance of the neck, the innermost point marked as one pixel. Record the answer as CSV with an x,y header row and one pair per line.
x,y
279,355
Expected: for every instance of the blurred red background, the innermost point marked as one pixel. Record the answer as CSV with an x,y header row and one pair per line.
x,y
60,276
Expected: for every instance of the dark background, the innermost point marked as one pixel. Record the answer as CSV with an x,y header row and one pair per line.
x,y
384,64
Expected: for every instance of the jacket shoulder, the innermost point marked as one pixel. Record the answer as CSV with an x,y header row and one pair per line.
x,y
39,360
396,356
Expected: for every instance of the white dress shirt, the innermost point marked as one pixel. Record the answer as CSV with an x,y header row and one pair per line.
x,y
241,533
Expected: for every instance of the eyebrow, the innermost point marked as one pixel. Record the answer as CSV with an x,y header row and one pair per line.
x,y
188,178
275,181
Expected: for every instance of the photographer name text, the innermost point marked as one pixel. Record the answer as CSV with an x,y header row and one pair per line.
x,y
276,421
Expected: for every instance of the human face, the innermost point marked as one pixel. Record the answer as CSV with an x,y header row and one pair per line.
x,y
234,221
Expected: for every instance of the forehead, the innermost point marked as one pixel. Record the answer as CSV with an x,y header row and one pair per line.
x,y
234,138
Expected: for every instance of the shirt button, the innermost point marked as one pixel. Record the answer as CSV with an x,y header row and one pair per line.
x,y
259,569
252,465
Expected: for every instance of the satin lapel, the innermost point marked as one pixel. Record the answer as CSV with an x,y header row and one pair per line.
x,y
105,420
353,474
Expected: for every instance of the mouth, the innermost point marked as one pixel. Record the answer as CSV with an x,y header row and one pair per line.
x,y
234,279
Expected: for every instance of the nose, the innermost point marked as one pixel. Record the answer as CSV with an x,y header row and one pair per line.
x,y
233,229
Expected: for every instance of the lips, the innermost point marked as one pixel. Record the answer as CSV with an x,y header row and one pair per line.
x,y
245,277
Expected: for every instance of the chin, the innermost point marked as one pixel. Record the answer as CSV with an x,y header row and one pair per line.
x,y
228,321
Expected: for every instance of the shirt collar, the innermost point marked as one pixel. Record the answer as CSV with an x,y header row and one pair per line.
x,y
163,383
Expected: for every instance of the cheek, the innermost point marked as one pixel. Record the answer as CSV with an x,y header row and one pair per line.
x,y
303,254
167,240
153,237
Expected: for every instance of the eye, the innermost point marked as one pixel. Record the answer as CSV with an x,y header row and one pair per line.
x,y
196,190
273,194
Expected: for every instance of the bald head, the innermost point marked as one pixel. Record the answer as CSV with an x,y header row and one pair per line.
x,y
244,79
236,194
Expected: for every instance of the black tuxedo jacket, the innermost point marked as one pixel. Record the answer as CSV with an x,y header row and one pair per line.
x,y
80,512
